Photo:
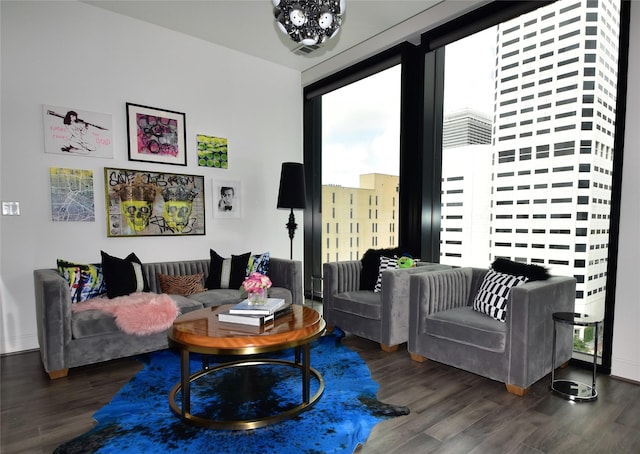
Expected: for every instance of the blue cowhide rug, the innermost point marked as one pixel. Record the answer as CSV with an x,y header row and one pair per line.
x,y
139,420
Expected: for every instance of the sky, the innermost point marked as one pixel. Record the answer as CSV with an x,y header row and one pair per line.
x,y
361,122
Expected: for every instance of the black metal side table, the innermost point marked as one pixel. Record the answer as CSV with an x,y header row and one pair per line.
x,y
571,389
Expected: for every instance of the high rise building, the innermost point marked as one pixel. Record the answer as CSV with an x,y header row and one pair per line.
x,y
466,127
466,206
556,73
357,219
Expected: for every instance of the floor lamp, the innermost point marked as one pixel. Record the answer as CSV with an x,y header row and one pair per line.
x,y
292,194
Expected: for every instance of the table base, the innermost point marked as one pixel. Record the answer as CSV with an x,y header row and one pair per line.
x,y
307,402
574,390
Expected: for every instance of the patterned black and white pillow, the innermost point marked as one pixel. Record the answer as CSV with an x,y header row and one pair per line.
x,y
493,294
386,263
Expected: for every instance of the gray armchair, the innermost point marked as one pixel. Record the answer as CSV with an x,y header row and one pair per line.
x,y
378,316
444,327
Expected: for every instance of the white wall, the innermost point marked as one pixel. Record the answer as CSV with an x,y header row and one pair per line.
x,y
74,55
625,360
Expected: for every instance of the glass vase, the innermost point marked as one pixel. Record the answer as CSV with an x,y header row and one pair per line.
x,y
258,297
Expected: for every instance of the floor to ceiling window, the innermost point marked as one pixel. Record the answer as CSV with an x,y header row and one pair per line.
x,y
528,145
360,159
510,153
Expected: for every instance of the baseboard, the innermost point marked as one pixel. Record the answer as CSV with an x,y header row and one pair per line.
x,y
625,370
18,344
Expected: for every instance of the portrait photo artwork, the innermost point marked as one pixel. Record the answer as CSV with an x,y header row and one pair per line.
x,y
227,199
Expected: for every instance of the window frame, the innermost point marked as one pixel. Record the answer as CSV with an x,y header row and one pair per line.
x,y
422,90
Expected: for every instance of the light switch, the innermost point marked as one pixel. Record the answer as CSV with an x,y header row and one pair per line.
x,y
11,208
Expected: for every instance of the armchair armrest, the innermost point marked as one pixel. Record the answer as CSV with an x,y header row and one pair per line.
x,y
395,301
338,277
530,327
288,274
53,311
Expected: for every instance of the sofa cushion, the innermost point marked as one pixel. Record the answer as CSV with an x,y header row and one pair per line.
x,y
493,295
469,327
363,303
386,263
181,285
227,272
97,323
85,281
281,292
123,276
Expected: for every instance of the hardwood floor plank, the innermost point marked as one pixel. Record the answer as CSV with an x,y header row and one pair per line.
x,y
450,427
619,439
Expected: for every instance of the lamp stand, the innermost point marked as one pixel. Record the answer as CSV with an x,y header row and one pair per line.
x,y
291,226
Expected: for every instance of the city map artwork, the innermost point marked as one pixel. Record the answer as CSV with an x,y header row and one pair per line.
x,y
72,195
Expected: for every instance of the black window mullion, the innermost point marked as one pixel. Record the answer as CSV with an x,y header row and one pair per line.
x,y
432,154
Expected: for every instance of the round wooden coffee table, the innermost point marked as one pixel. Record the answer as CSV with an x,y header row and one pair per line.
x,y
201,332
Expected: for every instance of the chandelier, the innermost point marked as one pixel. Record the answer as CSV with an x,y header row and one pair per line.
x,y
309,22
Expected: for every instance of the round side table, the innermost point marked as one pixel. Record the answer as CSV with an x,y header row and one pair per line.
x,y
571,389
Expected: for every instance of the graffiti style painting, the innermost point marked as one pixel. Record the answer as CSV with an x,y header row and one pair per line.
x,y
156,135
143,203
77,132
212,152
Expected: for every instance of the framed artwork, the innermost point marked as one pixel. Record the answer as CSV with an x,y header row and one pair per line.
x,y
227,199
76,132
156,135
71,195
212,152
141,203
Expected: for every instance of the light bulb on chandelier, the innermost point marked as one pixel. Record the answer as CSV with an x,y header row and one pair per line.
x,y
309,22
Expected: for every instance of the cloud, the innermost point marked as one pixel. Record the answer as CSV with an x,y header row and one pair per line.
x,y
469,72
361,121
361,129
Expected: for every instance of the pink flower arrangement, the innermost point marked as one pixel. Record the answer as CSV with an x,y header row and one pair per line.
x,y
256,282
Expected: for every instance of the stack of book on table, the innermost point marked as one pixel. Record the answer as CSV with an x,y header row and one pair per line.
x,y
255,315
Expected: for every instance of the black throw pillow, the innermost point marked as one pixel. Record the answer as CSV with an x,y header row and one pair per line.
x,y
226,272
371,265
530,271
123,276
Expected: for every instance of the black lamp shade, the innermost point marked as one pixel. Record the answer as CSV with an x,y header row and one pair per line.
x,y
292,193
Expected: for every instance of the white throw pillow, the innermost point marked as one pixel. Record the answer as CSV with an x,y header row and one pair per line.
x,y
386,263
493,294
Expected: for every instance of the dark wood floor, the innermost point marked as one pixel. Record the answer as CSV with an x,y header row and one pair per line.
x,y
452,411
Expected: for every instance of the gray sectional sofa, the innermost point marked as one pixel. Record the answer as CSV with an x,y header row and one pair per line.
x,y
71,339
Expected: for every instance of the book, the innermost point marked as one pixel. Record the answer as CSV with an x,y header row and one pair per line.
x,y
242,329
254,320
244,308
